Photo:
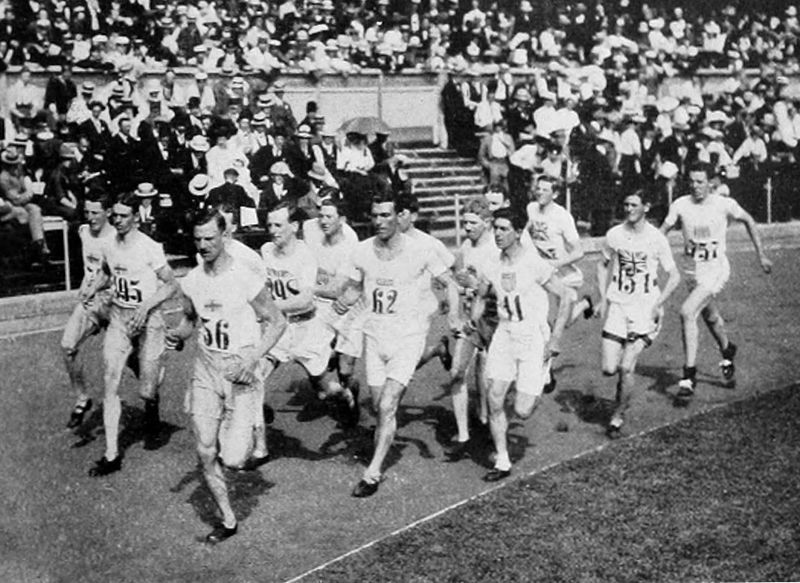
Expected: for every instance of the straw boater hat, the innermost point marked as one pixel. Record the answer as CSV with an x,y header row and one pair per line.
x,y
199,185
146,190
280,168
317,172
199,144
10,157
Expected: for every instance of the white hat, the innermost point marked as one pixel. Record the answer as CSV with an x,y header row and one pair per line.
x,y
668,170
199,144
146,190
199,185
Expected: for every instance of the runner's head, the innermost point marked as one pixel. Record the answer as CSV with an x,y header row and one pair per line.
x,y
699,174
477,218
283,223
97,209
125,215
384,216
332,210
208,230
635,206
508,227
545,189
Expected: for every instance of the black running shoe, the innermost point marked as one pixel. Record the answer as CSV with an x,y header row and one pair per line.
x,y
78,413
103,467
221,533
726,364
365,489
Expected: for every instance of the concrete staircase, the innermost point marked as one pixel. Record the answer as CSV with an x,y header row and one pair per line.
x,y
437,176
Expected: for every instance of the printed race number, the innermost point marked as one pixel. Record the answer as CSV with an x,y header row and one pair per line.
x,y
215,334
702,250
513,308
283,289
627,283
383,300
127,291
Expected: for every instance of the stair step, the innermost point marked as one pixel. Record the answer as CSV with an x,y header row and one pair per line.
x,y
460,180
444,171
427,153
413,163
463,189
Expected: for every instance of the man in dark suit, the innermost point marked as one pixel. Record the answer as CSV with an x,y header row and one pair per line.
x,y
278,185
266,156
123,166
231,197
280,112
60,91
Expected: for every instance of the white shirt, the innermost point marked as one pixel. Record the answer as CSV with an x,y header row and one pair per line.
x,y
522,301
92,249
289,275
133,264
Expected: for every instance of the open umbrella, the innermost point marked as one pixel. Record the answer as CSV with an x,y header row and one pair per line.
x,y
369,126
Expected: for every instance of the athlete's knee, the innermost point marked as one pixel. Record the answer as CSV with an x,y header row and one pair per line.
x,y
496,400
688,312
711,315
626,368
207,453
609,369
69,350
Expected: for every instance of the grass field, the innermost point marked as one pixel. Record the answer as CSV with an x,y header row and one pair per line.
x,y
712,495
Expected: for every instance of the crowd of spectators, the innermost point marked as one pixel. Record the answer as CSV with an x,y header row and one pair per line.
x,y
590,112
230,143
322,36
602,141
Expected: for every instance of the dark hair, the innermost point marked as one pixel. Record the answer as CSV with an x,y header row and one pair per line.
x,y
496,187
518,221
702,167
312,107
129,199
555,182
382,196
97,194
646,196
295,213
206,215
407,202
330,196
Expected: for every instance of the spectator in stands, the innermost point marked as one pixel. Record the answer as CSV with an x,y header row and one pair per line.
x,y
17,204
230,196
63,191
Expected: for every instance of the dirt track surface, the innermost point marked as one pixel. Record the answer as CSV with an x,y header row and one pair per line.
x,y
142,524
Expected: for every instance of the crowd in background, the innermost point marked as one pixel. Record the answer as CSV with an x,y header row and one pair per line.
x,y
322,36
593,114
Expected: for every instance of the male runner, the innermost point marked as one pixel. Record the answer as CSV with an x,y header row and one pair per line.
x,y
522,342
332,241
631,301
91,313
142,282
227,301
389,270
704,221
474,256
291,278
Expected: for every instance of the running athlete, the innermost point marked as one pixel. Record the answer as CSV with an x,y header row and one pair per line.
x,y
474,256
227,302
332,241
142,282
389,270
704,219
91,313
407,215
631,302
522,344
291,278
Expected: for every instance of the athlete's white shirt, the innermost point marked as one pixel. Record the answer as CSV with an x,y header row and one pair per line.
x,y
522,301
92,250
430,246
289,275
475,260
222,301
550,229
392,287
133,263
704,226
635,257
332,260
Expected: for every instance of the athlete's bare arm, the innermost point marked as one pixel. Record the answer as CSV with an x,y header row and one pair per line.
x,y
165,291
752,230
556,287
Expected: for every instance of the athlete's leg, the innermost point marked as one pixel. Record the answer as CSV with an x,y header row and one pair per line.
x,y
715,323
79,327
627,367
152,348
690,311
116,349
206,431
388,402
482,383
463,353
498,422
260,447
